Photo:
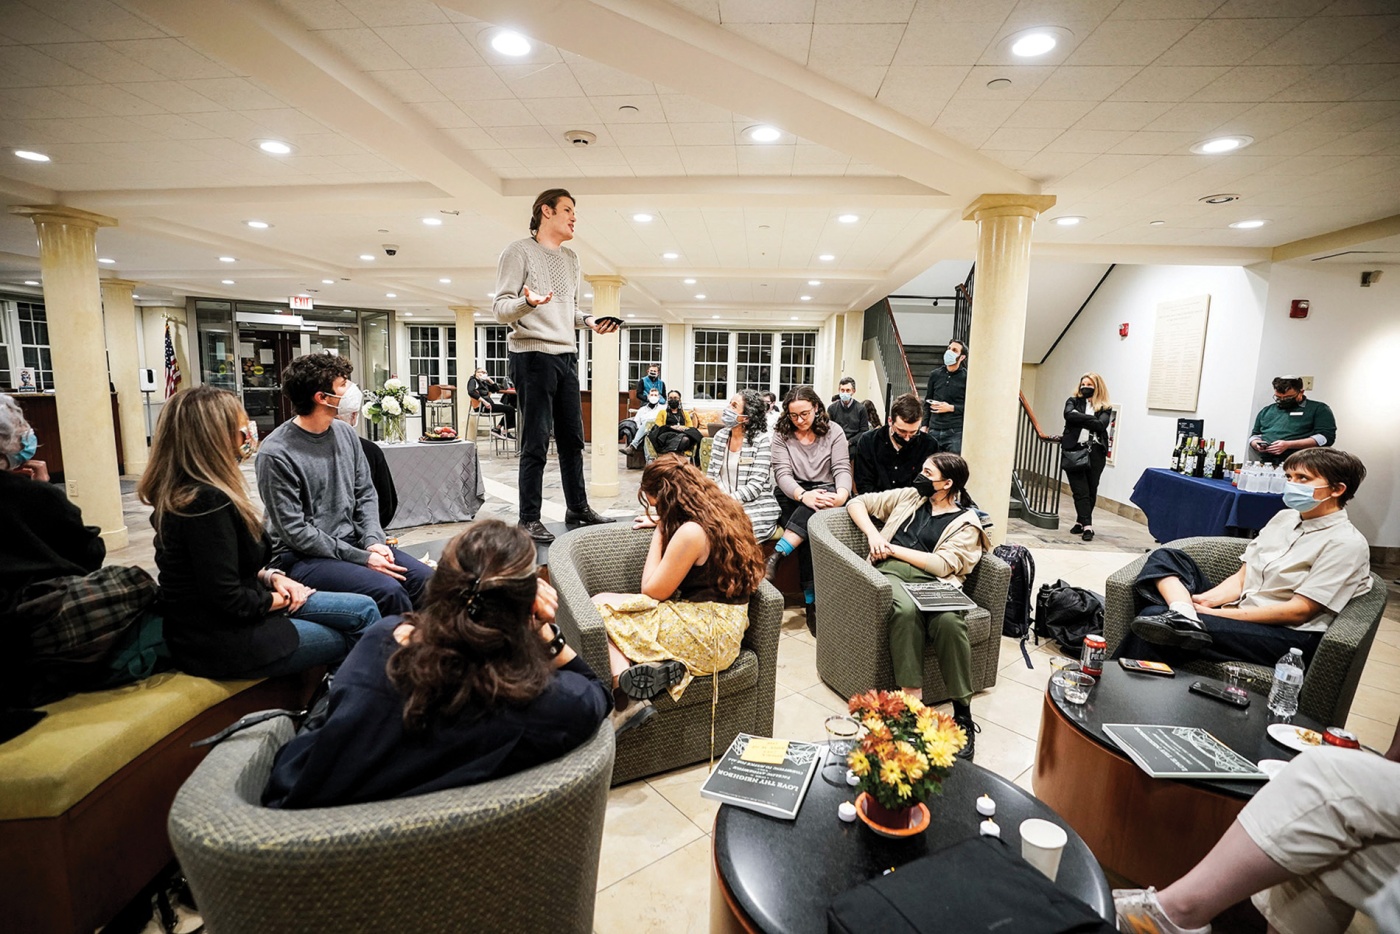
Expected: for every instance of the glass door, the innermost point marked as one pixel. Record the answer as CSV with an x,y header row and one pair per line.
x,y
262,356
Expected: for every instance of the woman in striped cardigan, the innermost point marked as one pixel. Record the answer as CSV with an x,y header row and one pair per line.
x,y
740,461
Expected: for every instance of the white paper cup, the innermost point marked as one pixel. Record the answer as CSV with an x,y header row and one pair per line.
x,y
1041,845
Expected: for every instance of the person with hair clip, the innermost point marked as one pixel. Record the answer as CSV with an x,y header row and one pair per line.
x,y
740,461
812,470
927,533
476,685
229,615
690,616
1084,448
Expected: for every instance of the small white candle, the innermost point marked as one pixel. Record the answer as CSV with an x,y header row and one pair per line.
x,y
846,811
852,778
989,828
986,806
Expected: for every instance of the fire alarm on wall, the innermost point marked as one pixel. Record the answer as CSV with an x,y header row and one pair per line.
x,y
1299,308
1123,329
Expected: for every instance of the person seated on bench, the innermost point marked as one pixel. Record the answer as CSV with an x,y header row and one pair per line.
x,y
227,614
927,534
1308,562
1315,845
475,686
632,432
690,616
674,430
740,461
322,509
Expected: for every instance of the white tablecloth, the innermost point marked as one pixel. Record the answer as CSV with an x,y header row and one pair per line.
x,y
435,482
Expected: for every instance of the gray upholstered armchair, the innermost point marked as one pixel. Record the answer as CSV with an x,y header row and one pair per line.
x,y
516,854
610,559
1329,684
853,608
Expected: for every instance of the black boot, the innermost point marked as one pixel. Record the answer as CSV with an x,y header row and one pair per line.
x,y
811,610
770,570
962,716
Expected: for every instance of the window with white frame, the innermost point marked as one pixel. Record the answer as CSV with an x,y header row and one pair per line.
x,y
767,361
450,339
711,364
798,361
34,342
643,349
753,360
491,351
425,346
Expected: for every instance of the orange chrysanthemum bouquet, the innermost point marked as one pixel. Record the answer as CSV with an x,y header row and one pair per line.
x,y
907,751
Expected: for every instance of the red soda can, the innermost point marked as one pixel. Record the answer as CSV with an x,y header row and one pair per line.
x,y
1336,736
1095,651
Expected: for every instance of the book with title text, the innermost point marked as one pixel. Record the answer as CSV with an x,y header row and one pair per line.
x,y
775,788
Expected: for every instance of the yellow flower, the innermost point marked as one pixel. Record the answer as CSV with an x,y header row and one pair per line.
x,y
903,790
859,763
890,773
941,752
914,703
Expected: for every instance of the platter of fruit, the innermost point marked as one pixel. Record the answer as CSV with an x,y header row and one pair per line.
x,y
442,434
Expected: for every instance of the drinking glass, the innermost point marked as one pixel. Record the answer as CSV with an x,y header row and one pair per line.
x,y
1077,686
1233,684
1058,667
841,734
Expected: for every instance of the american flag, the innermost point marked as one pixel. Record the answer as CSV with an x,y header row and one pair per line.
x,y
172,366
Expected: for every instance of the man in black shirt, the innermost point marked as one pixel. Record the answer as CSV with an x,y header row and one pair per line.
x,y
947,392
889,458
847,412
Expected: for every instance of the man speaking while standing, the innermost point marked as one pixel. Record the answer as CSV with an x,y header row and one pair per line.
x,y
538,283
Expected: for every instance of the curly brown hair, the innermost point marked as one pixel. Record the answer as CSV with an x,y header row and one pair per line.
x,y
820,423
475,643
683,494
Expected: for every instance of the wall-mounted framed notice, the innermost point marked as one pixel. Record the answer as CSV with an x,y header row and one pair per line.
x,y
1178,349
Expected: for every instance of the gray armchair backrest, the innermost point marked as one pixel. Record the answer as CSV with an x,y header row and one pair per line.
x,y
516,854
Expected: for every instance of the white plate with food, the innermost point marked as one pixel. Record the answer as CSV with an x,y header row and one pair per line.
x,y
1295,737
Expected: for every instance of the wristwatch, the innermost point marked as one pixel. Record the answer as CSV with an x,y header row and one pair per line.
x,y
555,645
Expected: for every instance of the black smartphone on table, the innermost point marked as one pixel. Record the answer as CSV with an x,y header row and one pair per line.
x,y
1216,692
1147,668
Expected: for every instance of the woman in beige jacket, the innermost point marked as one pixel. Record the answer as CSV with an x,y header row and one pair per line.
x,y
926,534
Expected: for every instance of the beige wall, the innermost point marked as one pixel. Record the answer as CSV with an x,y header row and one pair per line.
x,y
152,349
1029,372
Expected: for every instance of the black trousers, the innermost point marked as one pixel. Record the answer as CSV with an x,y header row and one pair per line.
x,y
1232,640
793,517
1084,484
547,394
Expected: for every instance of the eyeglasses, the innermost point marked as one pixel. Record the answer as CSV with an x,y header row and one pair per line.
x,y
800,416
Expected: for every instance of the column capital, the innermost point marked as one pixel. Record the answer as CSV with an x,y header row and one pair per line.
x,y
459,309
62,214
1009,205
114,282
605,280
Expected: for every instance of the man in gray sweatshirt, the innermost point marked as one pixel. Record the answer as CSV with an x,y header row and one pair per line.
x,y
322,511
538,282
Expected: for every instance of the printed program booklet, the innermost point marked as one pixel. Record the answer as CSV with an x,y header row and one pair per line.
x,y
775,787
1181,752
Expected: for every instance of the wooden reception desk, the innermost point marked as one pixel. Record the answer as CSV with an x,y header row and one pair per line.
x,y
41,411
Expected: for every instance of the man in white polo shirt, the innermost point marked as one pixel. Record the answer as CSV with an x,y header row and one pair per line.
x,y
1304,567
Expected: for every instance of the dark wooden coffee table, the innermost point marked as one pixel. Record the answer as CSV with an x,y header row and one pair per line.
x,y
433,547
1146,829
776,875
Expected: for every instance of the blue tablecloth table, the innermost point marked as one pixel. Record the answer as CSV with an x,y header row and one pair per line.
x,y
1178,506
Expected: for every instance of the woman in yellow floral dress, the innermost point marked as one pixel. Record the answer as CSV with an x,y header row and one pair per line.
x,y
693,608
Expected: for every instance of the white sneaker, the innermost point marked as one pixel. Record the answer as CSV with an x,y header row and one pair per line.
x,y
631,717
1139,912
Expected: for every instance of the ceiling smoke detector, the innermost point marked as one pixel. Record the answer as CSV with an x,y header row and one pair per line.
x,y
1220,198
582,139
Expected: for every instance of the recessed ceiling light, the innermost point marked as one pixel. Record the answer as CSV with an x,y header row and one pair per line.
x,y
1220,198
642,218
628,109
1248,225
328,282
848,218
715,317
31,155
793,318
764,134
445,281
433,221
689,281
226,281
806,298
587,294
391,295
105,261
367,257
700,296
223,259
258,225
1219,144
1033,44
1156,223
998,84
510,43
670,256
30,282
631,316
134,295
274,146
490,294
1069,220
408,314
814,282
826,257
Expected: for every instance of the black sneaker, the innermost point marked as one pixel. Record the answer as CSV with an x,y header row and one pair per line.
x,y
770,567
1088,535
586,516
1171,628
971,729
1076,529
648,679
811,610
536,530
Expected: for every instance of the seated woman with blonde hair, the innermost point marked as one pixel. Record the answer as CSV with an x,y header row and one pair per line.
x,y
690,616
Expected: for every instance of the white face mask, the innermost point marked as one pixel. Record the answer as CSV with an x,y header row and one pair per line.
x,y
349,403
653,399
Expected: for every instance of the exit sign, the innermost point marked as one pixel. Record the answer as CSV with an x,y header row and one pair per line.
x,y
301,303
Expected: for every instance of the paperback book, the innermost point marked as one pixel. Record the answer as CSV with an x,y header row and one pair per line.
x,y
764,775
1181,752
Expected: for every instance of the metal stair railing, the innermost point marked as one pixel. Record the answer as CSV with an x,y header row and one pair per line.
x,y
881,343
1035,476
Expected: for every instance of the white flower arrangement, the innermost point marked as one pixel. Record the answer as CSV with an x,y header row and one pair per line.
x,y
389,406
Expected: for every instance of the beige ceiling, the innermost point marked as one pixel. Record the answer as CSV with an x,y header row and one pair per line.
x,y
400,110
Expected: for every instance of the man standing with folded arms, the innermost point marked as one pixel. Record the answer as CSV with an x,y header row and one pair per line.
x,y
538,283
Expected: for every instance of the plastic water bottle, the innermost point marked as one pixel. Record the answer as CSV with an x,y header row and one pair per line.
x,y
1248,477
1288,683
1276,480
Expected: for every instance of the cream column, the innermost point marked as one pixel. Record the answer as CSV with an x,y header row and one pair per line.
x,y
466,363
73,305
607,301
123,362
997,339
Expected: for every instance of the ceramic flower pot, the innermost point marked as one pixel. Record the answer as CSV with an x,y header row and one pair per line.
x,y
905,822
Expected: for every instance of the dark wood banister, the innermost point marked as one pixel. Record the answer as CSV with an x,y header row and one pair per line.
x,y
903,357
1035,423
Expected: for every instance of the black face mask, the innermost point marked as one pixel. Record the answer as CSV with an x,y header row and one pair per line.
x,y
1287,404
1086,391
923,485
673,404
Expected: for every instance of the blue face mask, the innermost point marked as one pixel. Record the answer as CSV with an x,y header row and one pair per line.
x,y
845,396
27,447
1299,496
950,357
729,417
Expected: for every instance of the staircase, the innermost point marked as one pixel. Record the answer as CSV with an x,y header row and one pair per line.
x,y
923,360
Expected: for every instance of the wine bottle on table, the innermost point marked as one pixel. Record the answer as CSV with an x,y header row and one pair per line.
x,y
1176,451
1218,473
1198,468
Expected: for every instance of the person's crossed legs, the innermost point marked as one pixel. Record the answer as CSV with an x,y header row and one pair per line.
x,y
392,595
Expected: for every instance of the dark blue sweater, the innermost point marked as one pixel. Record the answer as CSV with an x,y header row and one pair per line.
x,y
363,753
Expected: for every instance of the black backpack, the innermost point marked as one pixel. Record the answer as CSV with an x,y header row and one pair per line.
x,y
1017,621
1067,614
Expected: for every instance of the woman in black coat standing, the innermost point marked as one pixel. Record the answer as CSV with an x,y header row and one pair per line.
x,y
1084,448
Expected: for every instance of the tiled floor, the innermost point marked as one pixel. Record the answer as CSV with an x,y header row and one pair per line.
x,y
655,866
